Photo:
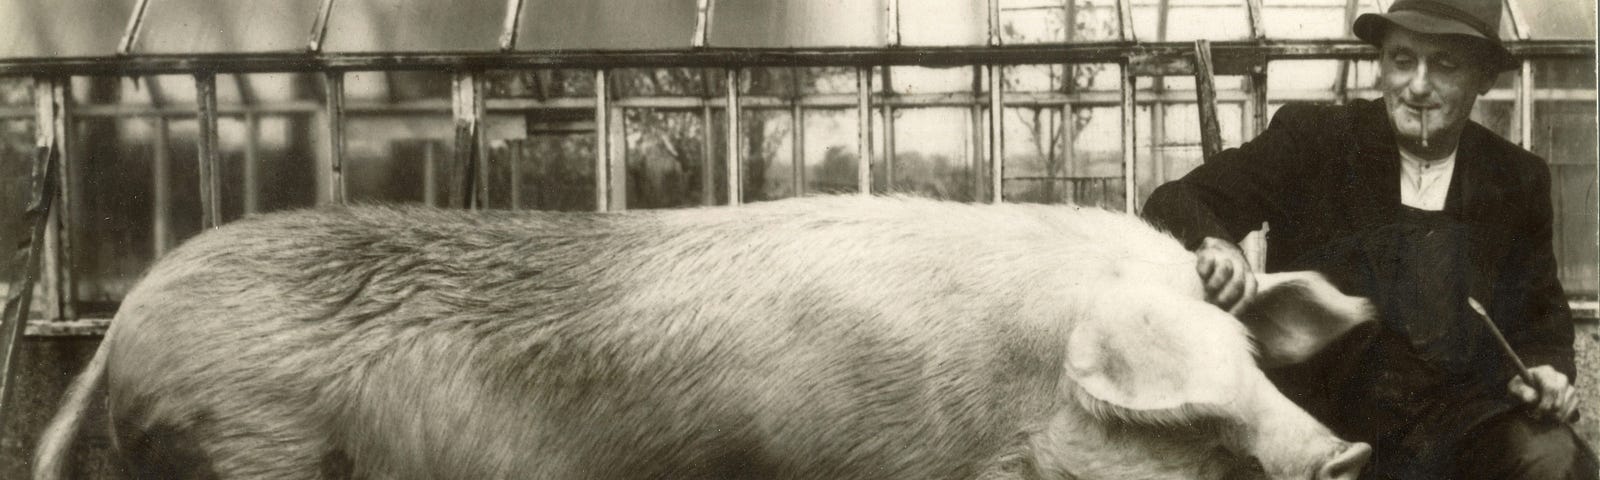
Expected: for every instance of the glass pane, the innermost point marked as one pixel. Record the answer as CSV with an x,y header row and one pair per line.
x,y
1305,18
1036,159
913,80
1093,20
62,28
1032,21
1555,19
608,24
1089,174
768,144
1035,78
555,172
942,22
788,82
396,25
933,153
365,88
16,169
1564,134
221,26
665,153
1191,20
145,200
830,148
1302,80
664,82
390,152
387,157
777,23
1564,74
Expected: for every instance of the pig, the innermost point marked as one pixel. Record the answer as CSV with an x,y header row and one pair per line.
x,y
818,338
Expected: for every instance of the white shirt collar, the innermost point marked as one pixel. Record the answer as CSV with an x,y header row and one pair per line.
x,y
1424,184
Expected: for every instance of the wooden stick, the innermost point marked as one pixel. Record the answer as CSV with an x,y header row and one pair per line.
x,y
1522,369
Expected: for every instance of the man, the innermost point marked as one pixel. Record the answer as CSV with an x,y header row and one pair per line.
x,y
1409,203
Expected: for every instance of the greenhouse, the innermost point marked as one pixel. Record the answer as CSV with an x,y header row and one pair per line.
x,y
128,126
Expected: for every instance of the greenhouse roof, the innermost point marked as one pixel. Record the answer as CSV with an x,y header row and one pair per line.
x,y
100,28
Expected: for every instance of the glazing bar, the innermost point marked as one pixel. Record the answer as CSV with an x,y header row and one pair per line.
x,y
864,130
997,153
161,189
514,155
1525,105
602,143
1129,189
319,27
1254,8
1206,93
252,163
994,22
708,163
58,244
334,110
209,162
892,21
1125,20
430,174
735,156
467,107
130,35
508,31
702,25
888,131
1258,101
798,139
1519,24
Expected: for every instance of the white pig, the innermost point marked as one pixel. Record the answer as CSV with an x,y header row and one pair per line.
x,y
821,338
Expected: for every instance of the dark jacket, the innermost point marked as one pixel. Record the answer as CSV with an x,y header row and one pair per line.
x,y
1326,180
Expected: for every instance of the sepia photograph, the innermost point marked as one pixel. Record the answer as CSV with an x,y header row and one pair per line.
x,y
799,239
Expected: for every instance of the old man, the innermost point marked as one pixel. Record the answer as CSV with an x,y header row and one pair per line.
x,y
1406,201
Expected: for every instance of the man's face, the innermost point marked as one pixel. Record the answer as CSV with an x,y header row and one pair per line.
x,y
1429,76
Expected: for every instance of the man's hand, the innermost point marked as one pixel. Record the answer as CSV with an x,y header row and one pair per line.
x,y
1552,397
1226,273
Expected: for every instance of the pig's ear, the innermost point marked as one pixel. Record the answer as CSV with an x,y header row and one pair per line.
x,y
1294,315
1144,354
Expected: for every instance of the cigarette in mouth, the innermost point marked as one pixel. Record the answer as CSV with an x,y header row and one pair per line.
x,y
1424,119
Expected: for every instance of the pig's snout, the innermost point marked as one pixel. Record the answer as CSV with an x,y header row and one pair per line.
x,y
1346,464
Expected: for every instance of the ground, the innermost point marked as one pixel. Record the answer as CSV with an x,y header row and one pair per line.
x,y
48,364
